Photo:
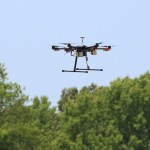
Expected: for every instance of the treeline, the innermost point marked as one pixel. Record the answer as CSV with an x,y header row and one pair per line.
x,y
114,117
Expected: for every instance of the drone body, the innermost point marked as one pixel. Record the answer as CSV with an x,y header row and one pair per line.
x,y
81,51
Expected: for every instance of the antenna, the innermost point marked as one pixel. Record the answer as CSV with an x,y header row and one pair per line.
x,y
82,38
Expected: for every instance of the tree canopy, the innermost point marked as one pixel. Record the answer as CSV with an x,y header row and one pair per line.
x,y
114,117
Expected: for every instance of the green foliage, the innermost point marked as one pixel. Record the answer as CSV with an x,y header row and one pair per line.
x,y
114,117
67,94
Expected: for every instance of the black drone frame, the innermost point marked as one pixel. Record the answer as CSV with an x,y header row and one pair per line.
x,y
81,70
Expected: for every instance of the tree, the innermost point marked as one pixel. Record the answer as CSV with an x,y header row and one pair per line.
x,y
96,117
129,103
67,95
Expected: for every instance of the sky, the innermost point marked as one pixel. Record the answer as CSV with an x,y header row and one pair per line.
x,y
29,27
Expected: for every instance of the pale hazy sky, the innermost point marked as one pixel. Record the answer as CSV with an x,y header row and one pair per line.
x,y
28,27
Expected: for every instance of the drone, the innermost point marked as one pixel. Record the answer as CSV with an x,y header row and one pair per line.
x,y
81,51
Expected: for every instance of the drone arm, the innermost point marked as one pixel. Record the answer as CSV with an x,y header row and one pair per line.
x,y
104,48
61,48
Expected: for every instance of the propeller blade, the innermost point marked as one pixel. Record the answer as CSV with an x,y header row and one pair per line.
x,y
66,43
105,46
100,43
113,45
63,43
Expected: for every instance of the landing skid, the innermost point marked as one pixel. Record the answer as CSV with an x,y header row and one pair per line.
x,y
74,71
89,69
81,70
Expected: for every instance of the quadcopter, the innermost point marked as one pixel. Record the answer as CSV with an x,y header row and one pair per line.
x,y
81,51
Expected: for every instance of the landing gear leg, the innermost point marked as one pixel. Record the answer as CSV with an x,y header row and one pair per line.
x,y
75,69
88,68
87,63
75,64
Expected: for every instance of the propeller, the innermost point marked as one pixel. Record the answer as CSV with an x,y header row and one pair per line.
x,y
99,43
66,43
63,43
105,46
